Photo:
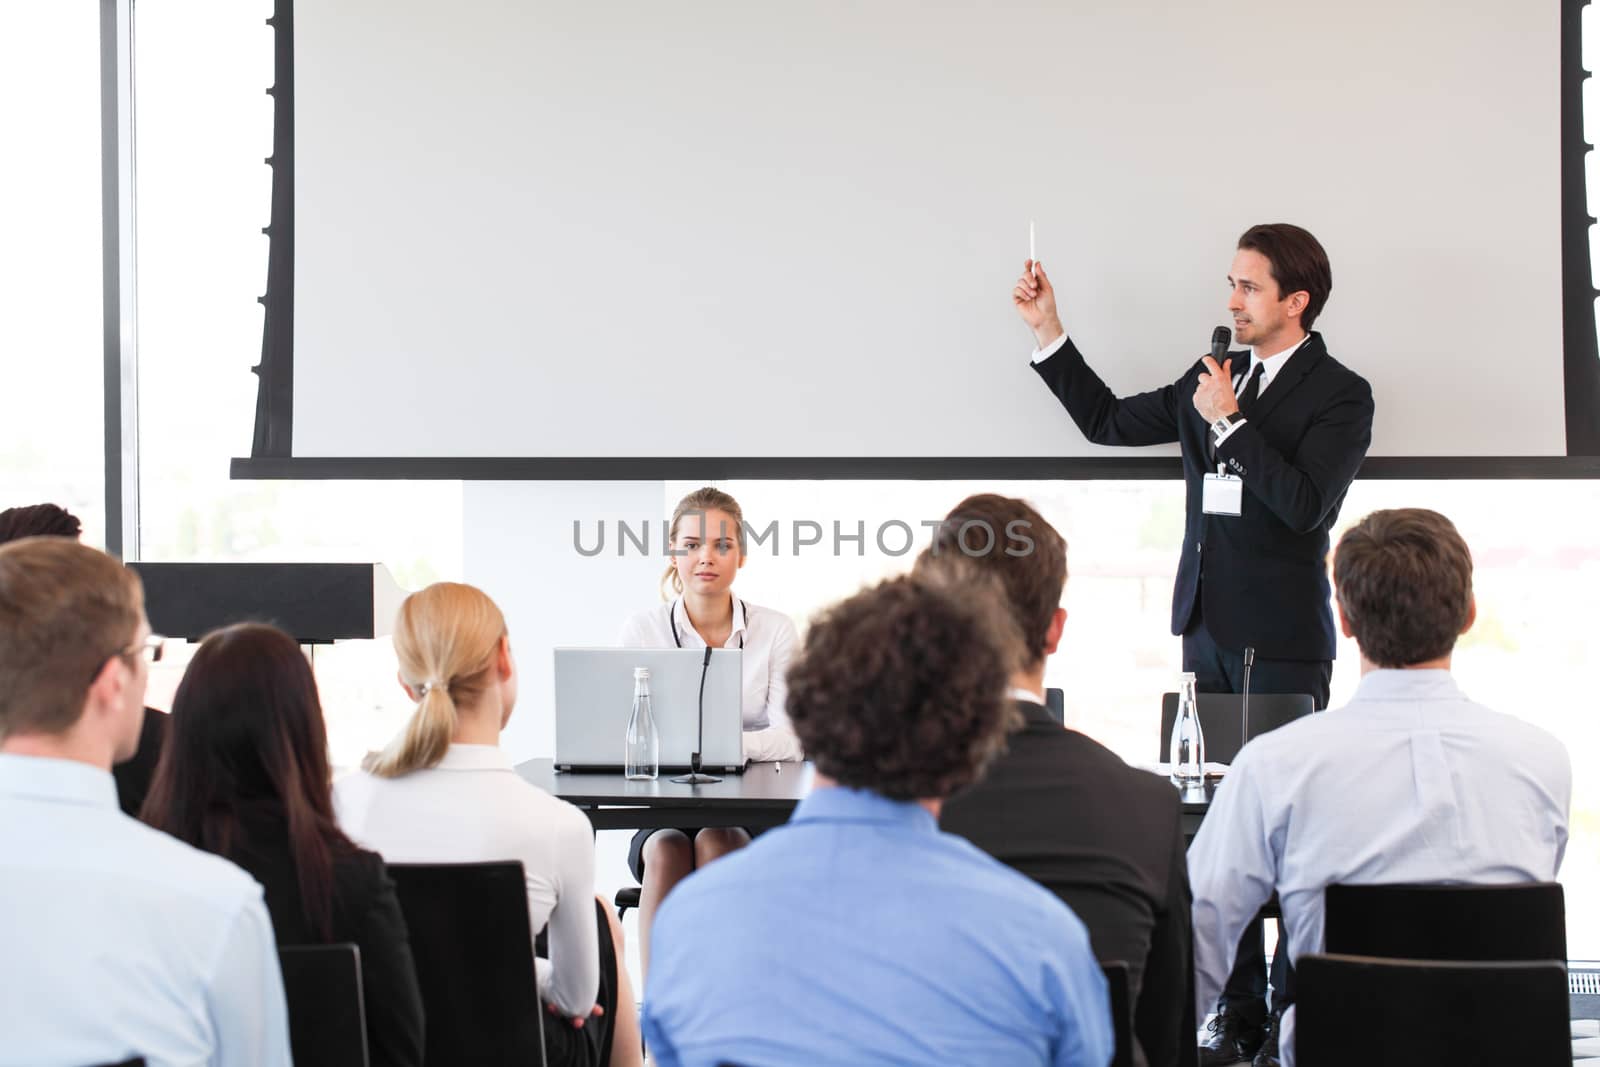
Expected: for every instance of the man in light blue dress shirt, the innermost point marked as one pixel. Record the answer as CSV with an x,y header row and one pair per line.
x,y
116,940
859,933
1409,782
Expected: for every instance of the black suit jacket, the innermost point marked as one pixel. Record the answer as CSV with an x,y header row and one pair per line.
x,y
1108,840
1260,578
365,911
134,774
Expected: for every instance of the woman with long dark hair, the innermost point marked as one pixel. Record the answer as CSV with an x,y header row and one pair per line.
x,y
245,775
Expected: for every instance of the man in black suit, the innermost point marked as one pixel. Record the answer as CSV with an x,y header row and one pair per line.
x,y
1271,441
1064,810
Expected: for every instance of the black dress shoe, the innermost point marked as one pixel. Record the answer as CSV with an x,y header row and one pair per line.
x,y
1267,1055
1234,1036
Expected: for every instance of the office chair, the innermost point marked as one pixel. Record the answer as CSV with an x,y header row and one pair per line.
x,y
1525,921
327,1012
1219,719
474,958
1378,1012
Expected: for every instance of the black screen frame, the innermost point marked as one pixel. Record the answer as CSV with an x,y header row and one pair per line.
x,y
272,453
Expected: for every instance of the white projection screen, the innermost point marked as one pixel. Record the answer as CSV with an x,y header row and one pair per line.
x,y
627,228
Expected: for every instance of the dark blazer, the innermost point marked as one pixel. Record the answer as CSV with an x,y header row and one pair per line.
x,y
1265,576
134,774
365,911
1108,840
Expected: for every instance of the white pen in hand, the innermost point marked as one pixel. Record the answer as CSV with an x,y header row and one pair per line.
x,y
1033,253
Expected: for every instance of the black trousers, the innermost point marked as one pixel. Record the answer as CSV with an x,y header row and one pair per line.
x,y
1219,670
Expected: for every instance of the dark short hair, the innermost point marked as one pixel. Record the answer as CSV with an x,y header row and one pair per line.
x,y
247,730
65,610
901,689
38,520
1404,582
1007,538
1298,263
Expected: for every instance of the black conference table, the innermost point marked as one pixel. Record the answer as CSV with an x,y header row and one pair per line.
x,y
760,798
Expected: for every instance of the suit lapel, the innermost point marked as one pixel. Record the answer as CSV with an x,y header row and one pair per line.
x,y
1297,370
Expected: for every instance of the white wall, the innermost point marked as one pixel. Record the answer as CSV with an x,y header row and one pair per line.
x,y
519,549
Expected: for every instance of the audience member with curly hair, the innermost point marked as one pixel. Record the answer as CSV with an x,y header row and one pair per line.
x,y
859,932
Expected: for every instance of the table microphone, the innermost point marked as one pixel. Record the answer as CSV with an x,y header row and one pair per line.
x,y
1244,705
694,777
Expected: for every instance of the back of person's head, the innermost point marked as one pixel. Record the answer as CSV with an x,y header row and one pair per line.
x,y
1007,539
65,612
901,689
1403,579
447,639
38,520
700,502
247,727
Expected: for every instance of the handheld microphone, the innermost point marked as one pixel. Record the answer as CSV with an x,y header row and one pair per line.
x,y
1220,338
694,777
1244,705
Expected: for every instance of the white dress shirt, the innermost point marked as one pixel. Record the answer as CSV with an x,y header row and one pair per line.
x,y
117,940
474,807
768,638
1409,782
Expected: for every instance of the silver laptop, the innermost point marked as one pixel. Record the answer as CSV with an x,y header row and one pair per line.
x,y
594,697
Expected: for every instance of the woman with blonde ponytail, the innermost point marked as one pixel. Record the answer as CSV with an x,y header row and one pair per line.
x,y
444,792
706,541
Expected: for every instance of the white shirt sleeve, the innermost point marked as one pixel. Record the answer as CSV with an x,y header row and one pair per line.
x,y
778,741
245,994
1233,868
633,635
1042,354
574,976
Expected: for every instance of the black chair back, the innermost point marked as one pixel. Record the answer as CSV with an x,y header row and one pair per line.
x,y
1360,1010
1055,702
1526,921
137,1061
1219,719
1121,1011
327,1013
474,957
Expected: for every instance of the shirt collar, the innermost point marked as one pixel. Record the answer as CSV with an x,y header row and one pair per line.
x,y
474,758
1027,695
1394,686
686,629
1271,365
60,781
839,803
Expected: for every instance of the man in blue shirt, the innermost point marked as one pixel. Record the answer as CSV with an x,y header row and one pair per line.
x,y
116,940
859,933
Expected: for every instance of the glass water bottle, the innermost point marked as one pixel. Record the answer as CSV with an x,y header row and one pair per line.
x,y
642,758
1187,750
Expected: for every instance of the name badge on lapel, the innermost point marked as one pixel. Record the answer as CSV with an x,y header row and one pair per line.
x,y
1223,494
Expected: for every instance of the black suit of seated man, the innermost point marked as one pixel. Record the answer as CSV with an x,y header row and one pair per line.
x,y
1292,425
1064,810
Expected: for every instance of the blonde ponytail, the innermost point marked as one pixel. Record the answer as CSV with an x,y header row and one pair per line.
x,y
698,502
447,639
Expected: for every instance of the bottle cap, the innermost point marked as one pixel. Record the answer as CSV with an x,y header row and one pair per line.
x,y
641,674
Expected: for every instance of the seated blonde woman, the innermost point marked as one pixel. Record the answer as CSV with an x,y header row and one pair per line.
x,y
444,792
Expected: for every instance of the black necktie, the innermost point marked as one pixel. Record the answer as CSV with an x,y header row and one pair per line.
x,y
1252,388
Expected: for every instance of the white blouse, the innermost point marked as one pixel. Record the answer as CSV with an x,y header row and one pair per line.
x,y
768,638
474,807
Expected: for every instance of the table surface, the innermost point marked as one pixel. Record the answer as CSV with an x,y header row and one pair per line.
x,y
763,795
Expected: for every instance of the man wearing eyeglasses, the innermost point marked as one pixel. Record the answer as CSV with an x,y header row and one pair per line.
x,y
134,772
116,941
